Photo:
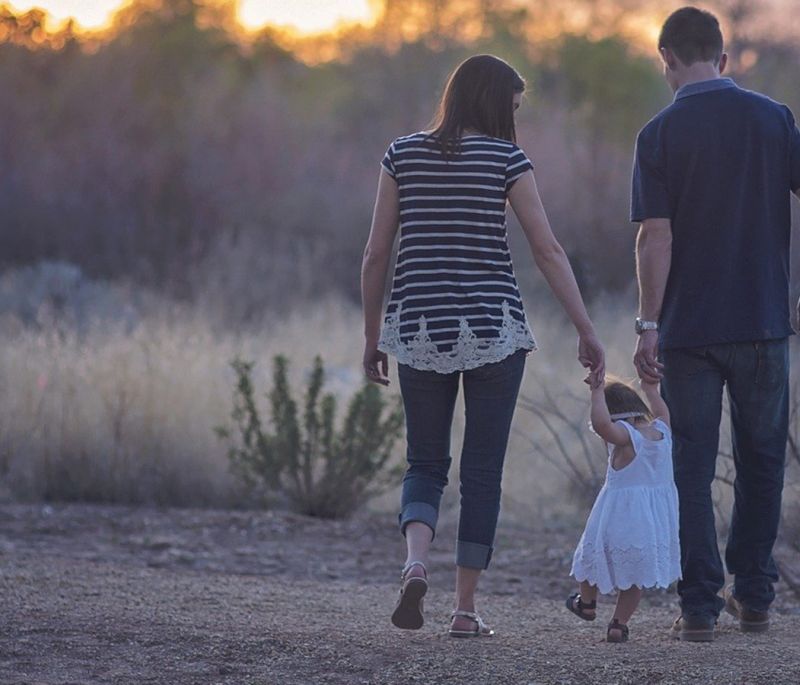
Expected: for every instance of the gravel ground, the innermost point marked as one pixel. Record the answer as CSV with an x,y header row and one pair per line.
x,y
118,595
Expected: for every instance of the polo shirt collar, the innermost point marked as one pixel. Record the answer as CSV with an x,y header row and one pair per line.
x,y
704,87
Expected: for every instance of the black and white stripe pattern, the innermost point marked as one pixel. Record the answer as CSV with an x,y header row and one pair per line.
x,y
455,302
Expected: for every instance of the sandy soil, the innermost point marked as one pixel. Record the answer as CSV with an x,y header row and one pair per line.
x,y
115,595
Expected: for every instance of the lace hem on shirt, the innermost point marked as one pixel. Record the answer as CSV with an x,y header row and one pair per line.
x,y
468,352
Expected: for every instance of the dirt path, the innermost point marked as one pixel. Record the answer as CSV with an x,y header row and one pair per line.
x,y
114,595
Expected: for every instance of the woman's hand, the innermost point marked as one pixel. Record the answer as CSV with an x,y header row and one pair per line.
x,y
376,364
592,356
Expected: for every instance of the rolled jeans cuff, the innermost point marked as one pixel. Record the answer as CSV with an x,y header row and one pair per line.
x,y
473,555
421,512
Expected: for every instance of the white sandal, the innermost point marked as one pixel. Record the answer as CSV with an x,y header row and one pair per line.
x,y
408,612
480,630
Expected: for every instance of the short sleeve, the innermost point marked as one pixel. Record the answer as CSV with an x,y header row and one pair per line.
x,y
517,164
649,196
794,158
388,162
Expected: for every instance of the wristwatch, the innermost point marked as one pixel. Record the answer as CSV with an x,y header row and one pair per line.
x,y
641,326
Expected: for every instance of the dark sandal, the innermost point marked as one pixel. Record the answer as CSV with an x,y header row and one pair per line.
x,y
578,607
620,631
408,612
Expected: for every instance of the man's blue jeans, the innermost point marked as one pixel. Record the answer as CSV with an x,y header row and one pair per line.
x,y
757,376
490,395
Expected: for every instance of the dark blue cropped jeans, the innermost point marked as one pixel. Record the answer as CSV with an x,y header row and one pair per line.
x,y
490,395
757,376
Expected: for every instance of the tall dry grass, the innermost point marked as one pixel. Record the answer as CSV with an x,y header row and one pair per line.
x,y
121,407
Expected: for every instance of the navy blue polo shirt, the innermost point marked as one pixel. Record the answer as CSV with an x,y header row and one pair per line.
x,y
720,163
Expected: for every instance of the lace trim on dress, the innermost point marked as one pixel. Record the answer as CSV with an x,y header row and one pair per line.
x,y
469,351
656,565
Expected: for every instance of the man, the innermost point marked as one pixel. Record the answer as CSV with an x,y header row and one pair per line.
x,y
711,187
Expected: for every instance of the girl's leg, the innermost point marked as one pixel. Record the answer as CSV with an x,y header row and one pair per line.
x,y
627,601
588,595
583,603
490,396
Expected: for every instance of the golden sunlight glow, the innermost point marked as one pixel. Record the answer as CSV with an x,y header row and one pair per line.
x,y
305,16
90,14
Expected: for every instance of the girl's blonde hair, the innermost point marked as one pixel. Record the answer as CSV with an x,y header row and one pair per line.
x,y
621,398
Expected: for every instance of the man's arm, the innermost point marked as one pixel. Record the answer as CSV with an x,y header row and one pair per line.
x,y
653,260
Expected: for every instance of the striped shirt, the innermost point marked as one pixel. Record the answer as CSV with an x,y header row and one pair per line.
x,y
455,304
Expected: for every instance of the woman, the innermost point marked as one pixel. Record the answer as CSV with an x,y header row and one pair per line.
x,y
455,313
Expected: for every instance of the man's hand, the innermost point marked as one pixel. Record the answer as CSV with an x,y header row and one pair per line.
x,y
646,358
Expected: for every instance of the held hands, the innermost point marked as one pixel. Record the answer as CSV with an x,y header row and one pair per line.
x,y
592,356
646,358
376,364
594,382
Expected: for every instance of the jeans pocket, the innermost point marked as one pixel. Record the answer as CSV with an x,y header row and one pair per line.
x,y
686,362
772,363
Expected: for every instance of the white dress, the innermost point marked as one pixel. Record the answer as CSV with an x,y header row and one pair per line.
x,y
631,537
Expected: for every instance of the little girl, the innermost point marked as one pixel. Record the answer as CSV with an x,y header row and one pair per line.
x,y
631,538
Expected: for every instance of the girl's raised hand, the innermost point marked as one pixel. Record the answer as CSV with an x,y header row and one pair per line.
x,y
594,380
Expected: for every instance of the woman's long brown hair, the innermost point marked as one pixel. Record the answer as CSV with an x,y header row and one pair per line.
x,y
479,95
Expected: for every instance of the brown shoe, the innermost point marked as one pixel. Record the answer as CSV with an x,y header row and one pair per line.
x,y
694,629
750,621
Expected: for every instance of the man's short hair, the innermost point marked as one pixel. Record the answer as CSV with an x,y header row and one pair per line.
x,y
693,35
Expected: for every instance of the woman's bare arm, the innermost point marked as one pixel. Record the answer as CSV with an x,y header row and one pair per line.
x,y
555,267
374,270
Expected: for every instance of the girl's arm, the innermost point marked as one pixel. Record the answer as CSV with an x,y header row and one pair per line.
x,y
374,269
657,405
601,419
554,265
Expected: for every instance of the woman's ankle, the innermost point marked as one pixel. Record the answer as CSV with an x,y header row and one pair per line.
x,y
415,568
465,604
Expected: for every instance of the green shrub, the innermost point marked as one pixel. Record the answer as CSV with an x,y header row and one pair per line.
x,y
321,469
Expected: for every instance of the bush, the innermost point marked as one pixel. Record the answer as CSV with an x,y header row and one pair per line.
x,y
322,471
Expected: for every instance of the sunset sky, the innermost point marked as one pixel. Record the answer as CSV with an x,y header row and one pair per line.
x,y
306,15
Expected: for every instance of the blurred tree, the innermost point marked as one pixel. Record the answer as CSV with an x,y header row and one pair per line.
x,y
179,152
609,94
